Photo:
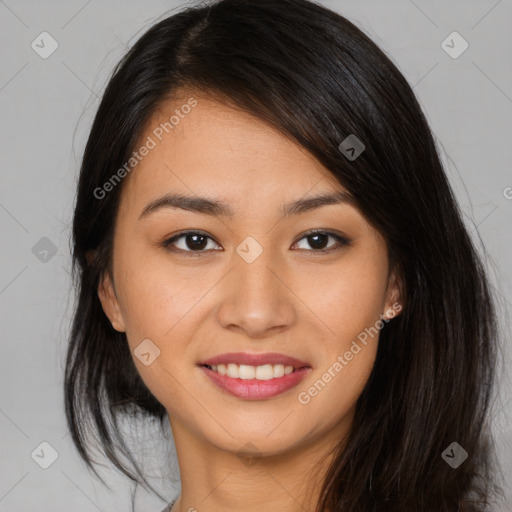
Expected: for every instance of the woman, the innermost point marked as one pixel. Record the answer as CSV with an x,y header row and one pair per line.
x,y
268,256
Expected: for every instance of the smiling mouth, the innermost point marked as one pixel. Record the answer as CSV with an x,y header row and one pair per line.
x,y
247,372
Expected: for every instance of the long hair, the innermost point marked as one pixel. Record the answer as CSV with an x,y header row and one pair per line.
x,y
317,78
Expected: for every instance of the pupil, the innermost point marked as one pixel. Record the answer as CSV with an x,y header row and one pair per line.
x,y
318,245
195,245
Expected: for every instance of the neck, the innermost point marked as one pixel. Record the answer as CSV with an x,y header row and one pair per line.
x,y
218,480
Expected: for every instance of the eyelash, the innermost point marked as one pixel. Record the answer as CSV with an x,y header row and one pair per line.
x,y
342,242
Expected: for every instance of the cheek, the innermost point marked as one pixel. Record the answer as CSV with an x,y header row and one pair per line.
x,y
155,300
350,303
333,394
349,299
155,295
349,347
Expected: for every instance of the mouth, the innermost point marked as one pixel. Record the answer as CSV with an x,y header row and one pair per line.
x,y
255,376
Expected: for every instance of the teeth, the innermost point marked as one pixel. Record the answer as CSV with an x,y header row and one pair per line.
x,y
233,371
265,372
279,370
244,371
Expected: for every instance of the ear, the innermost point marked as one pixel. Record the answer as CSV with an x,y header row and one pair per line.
x,y
110,304
394,297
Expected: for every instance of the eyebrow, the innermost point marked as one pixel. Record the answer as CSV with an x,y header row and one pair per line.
x,y
214,207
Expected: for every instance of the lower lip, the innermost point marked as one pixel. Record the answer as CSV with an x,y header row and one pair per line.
x,y
254,389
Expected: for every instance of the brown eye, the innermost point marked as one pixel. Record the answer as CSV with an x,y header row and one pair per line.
x,y
191,242
319,240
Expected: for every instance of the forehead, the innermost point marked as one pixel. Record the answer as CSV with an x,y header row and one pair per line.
x,y
202,146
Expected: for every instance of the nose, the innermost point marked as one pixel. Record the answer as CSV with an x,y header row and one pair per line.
x,y
256,299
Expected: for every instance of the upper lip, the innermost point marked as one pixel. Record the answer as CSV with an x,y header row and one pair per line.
x,y
255,359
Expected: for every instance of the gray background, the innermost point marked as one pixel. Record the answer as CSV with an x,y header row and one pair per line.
x,y
47,107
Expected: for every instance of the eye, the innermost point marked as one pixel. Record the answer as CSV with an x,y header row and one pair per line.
x,y
318,240
191,241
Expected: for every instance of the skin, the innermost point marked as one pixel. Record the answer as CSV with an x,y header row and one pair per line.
x,y
291,300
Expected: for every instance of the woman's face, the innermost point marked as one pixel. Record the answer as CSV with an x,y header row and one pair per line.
x,y
253,282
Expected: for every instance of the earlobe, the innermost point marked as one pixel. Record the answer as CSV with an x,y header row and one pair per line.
x,y
394,300
110,304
